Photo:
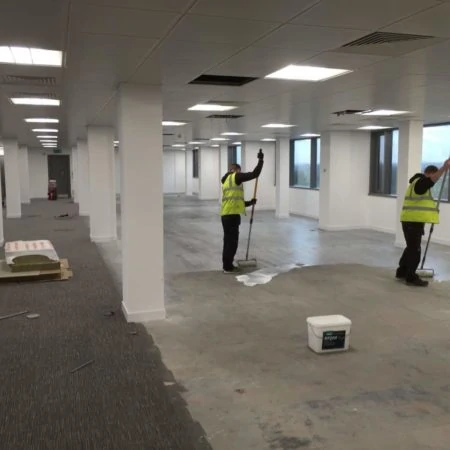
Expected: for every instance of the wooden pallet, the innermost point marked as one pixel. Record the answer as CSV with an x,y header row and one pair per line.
x,y
64,273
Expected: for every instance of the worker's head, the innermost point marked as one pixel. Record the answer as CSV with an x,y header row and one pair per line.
x,y
235,168
430,170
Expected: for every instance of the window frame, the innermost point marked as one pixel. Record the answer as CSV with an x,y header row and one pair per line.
x,y
195,163
313,165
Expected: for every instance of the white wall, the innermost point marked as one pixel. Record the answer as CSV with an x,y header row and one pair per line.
x,y
266,194
118,171
209,176
174,172
304,202
38,165
195,186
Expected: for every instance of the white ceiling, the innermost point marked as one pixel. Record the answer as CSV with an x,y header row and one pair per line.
x,y
173,41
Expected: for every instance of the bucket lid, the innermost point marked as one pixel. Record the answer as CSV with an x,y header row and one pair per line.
x,y
334,320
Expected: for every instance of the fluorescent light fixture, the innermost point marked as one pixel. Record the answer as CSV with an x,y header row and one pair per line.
x,y
373,127
232,133
268,140
383,112
215,145
169,123
236,143
310,135
277,125
49,141
21,55
306,73
43,120
49,145
35,101
178,146
2,151
196,143
47,136
219,139
30,56
45,130
211,107
116,142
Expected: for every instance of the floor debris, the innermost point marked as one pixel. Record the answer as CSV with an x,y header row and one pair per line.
x,y
9,316
33,316
82,366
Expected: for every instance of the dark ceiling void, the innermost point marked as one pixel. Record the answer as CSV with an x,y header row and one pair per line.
x,y
223,116
347,112
222,80
380,37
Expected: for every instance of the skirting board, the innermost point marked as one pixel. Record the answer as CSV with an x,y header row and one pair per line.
x,y
103,240
143,316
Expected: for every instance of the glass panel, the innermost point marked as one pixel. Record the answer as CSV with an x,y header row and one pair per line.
x,y
436,141
238,154
194,163
318,163
302,163
394,162
381,164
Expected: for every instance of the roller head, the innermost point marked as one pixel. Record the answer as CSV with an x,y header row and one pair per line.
x,y
425,273
247,263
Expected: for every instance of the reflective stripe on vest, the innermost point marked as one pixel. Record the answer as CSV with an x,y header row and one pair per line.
x,y
232,197
419,208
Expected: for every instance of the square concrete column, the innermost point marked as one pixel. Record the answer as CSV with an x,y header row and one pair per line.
x,y
141,145
74,165
223,165
409,162
2,237
208,174
344,180
282,177
188,169
102,185
12,179
83,178
24,175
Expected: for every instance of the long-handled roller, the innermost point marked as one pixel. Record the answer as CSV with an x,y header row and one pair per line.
x,y
429,273
252,261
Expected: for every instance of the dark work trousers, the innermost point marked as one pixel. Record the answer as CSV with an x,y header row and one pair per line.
x,y
409,262
230,225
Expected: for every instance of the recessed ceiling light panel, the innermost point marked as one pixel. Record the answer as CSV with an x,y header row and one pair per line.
x,y
306,135
41,120
45,130
277,125
232,133
30,56
35,101
306,73
172,123
268,140
373,127
236,143
383,112
211,107
219,139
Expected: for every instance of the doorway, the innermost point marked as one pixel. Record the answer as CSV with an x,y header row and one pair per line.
x,y
59,170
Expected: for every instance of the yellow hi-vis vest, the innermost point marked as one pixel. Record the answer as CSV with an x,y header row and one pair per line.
x,y
232,197
419,208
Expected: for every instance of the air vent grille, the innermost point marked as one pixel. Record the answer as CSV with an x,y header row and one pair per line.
x,y
224,116
378,38
28,80
49,95
222,80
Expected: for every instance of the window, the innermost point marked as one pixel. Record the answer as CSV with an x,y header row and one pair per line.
x,y
235,155
305,163
435,151
384,162
195,163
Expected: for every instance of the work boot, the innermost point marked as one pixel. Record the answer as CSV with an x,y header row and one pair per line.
x,y
234,269
417,282
399,274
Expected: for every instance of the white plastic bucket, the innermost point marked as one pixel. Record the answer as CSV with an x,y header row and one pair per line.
x,y
328,334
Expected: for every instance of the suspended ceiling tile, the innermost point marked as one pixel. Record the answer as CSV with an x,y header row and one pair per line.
x,y
309,38
359,14
220,30
343,60
154,5
268,10
128,22
433,22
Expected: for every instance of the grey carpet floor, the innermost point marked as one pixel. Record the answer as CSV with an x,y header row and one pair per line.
x,y
125,400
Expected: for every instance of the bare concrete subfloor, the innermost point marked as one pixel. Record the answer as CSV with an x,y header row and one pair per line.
x,y
241,352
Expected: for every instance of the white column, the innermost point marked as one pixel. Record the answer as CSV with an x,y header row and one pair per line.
x,y
282,177
102,185
140,136
12,179
344,180
2,237
74,164
409,162
223,165
83,178
189,168
208,174
24,175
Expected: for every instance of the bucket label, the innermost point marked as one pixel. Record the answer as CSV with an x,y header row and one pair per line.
x,y
332,340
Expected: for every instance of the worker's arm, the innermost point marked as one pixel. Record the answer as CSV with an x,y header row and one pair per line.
x,y
250,202
225,177
426,183
248,176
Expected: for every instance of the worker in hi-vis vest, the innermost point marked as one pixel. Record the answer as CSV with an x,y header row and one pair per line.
x,y
233,205
419,208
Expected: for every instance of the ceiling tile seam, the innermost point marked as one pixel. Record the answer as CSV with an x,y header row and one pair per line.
x,y
413,14
133,8
133,36
154,47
